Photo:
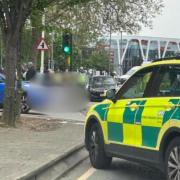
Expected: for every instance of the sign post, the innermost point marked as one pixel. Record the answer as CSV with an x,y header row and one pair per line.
x,y
42,46
42,51
42,62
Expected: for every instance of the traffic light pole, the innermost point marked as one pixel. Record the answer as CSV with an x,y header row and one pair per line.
x,y
69,62
68,59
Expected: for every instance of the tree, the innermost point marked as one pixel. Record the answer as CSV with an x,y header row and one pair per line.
x,y
95,17
90,20
13,15
99,60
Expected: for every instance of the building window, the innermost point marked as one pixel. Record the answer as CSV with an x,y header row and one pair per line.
x,y
144,44
133,56
172,49
153,51
113,44
162,47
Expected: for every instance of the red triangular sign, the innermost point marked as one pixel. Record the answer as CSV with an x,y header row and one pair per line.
x,y
42,45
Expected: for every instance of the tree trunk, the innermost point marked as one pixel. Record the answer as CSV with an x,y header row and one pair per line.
x,y
11,56
19,90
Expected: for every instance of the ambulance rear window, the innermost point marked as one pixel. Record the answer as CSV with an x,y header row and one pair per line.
x,y
170,83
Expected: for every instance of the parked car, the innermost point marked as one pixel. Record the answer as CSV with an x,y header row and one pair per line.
x,y
141,122
98,85
33,96
24,106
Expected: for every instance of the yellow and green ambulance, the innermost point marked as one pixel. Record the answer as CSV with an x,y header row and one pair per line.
x,y
140,122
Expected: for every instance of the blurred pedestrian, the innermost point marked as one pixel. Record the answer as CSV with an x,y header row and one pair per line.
x,y
31,72
2,70
24,70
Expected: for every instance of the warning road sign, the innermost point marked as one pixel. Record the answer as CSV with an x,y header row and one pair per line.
x,y
42,45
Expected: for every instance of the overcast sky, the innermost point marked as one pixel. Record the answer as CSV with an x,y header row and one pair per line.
x,y
167,24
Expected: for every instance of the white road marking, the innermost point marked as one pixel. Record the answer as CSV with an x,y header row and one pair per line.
x,y
87,174
63,122
82,124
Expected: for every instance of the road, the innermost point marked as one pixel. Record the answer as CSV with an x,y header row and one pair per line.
x,y
119,170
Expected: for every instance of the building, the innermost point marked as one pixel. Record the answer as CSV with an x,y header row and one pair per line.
x,y
132,51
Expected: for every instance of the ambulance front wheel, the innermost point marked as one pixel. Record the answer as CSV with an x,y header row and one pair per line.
x,y
98,157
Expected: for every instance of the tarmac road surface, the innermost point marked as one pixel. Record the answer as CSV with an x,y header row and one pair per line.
x,y
119,170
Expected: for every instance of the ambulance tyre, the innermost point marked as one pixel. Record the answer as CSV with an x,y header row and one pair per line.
x,y
172,160
98,157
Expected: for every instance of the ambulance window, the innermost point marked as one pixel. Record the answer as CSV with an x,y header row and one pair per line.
x,y
136,85
170,81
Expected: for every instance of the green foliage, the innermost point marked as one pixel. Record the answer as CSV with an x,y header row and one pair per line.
x,y
77,61
26,45
60,62
93,18
89,19
99,60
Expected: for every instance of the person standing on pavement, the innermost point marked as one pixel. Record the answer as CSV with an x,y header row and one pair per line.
x,y
31,72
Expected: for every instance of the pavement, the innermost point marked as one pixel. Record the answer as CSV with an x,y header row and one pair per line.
x,y
23,150
69,116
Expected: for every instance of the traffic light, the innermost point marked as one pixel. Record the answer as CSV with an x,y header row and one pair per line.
x,y
67,43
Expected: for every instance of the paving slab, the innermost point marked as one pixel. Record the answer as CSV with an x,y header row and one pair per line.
x,y
23,150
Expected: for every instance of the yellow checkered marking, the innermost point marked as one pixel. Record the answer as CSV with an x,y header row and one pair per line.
x,y
153,112
116,112
146,133
130,130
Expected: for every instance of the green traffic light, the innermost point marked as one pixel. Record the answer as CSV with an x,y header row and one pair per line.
x,y
67,49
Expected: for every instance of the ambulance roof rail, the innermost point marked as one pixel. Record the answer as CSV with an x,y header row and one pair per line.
x,y
176,57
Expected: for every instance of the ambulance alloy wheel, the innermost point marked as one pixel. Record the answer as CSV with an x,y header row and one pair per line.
x,y
172,160
97,155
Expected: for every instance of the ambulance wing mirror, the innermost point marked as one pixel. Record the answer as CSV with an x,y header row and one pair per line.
x,y
111,95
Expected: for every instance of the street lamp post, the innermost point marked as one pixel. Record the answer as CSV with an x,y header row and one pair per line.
x,y
121,54
105,20
51,63
110,42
